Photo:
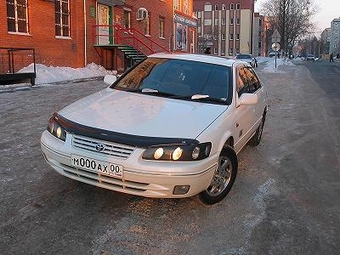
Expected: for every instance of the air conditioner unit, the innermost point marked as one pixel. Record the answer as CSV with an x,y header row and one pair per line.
x,y
142,14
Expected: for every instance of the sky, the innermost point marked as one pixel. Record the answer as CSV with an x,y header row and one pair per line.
x,y
327,11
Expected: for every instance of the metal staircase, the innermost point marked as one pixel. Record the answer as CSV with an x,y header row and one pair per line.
x,y
131,53
132,43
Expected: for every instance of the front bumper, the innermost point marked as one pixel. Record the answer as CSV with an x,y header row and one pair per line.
x,y
141,177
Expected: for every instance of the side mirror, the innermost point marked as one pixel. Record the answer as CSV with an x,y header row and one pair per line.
x,y
110,79
248,99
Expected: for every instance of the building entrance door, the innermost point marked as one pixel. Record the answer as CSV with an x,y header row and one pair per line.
x,y
103,21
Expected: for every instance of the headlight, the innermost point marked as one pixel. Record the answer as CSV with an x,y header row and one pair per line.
x,y
178,152
55,129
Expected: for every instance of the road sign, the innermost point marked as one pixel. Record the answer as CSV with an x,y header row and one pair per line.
x,y
276,37
275,46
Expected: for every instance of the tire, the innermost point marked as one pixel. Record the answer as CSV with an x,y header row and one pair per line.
x,y
256,139
223,179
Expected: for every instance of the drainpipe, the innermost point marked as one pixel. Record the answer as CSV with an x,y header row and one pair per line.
x,y
85,35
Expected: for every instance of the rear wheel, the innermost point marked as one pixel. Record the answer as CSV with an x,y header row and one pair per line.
x,y
223,179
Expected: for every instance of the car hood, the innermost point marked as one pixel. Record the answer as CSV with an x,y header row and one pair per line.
x,y
143,115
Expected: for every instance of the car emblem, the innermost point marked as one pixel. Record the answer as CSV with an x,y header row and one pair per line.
x,y
100,147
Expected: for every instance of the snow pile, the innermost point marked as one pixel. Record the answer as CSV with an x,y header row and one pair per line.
x,y
51,74
270,64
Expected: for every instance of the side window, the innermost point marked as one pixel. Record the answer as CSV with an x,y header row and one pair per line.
x,y
247,81
253,82
242,81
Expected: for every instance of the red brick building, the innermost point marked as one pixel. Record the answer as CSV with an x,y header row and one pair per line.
x,y
112,33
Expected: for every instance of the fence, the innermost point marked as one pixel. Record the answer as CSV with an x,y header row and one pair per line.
x,y
12,60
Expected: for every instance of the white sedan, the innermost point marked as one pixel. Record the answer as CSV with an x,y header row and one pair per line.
x,y
170,127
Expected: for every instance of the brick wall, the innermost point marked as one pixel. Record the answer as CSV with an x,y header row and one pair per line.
x,y
70,51
156,9
50,50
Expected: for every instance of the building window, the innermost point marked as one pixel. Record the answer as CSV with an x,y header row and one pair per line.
x,y
177,4
216,7
62,18
237,21
230,51
223,37
186,6
17,16
238,6
127,19
161,27
237,36
215,51
207,7
207,22
231,37
223,21
147,25
223,7
231,6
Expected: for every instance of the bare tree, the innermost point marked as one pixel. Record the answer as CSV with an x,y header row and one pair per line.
x,y
292,18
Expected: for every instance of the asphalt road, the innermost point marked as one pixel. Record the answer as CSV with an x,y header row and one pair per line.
x,y
285,199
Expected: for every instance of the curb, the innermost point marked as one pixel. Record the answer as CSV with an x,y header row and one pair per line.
x,y
28,86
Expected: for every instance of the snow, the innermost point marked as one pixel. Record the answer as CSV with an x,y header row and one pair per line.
x,y
47,75
51,74
270,64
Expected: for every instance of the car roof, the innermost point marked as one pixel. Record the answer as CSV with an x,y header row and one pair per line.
x,y
204,58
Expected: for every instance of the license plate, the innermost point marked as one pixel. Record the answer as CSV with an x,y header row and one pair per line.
x,y
100,167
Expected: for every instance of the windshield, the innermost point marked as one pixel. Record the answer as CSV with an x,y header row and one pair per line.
x,y
181,79
242,56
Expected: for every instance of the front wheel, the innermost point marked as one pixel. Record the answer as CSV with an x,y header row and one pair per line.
x,y
256,139
223,179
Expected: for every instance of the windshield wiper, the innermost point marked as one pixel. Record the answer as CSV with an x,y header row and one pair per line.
x,y
199,96
143,90
207,98
152,91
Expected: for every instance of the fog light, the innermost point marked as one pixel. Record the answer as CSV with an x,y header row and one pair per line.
x,y
181,189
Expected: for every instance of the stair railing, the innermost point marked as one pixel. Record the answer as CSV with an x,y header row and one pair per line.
x,y
127,36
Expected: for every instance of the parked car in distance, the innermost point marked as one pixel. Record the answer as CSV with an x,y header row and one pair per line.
x,y
170,127
248,58
310,57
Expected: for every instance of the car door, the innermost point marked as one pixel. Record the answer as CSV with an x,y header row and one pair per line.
x,y
244,114
255,87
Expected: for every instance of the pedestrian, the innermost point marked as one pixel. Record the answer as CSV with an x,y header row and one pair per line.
x,y
207,51
331,57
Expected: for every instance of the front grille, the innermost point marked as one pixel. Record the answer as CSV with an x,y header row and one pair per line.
x,y
102,147
104,181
